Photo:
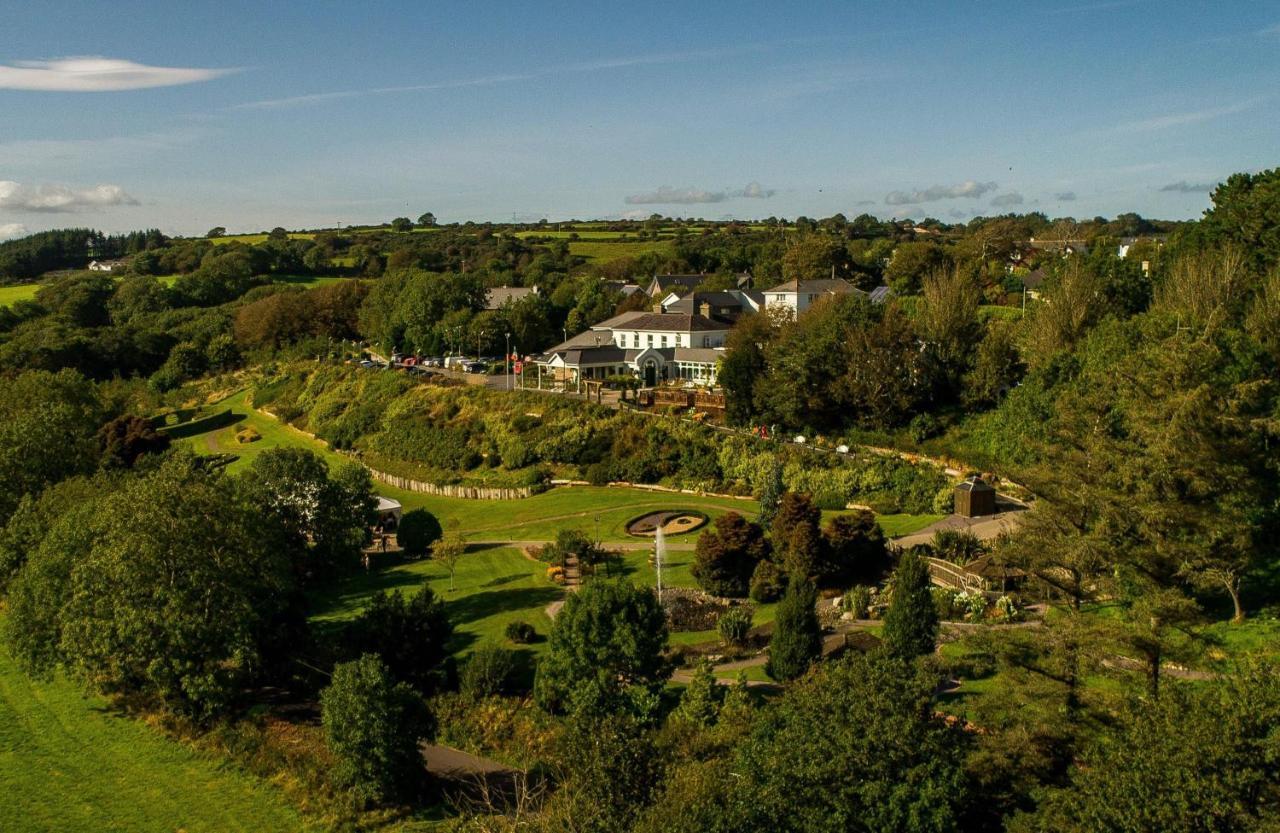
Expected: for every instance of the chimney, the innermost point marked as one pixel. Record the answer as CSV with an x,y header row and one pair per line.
x,y
704,309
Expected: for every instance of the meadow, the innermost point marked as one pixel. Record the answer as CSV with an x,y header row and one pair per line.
x,y
70,763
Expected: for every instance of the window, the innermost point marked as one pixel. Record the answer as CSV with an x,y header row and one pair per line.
x,y
649,339
664,341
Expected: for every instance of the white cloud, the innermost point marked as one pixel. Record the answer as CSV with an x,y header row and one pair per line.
x,y
91,74
968,189
1189,117
1006,200
666,195
14,196
11,230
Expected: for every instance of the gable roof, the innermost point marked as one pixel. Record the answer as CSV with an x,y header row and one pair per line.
x,y
832,286
673,322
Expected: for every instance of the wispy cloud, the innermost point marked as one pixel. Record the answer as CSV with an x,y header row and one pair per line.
x,y
1006,200
1188,117
666,195
600,65
1184,187
1106,5
27,153
967,189
8,231
93,74
1272,31
52,199
1065,196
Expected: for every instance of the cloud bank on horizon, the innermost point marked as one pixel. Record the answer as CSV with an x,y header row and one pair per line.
x,y
969,189
89,74
666,195
55,199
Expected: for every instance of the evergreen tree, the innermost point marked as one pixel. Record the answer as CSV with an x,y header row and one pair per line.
x,y
911,624
796,536
727,555
700,703
770,492
797,638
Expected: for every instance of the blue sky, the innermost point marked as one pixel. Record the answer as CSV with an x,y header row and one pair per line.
x,y
252,115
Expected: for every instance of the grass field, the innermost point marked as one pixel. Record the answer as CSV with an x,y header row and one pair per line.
x,y
601,251
68,764
18,292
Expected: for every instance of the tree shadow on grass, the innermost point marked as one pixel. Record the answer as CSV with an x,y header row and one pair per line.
x,y
351,595
492,602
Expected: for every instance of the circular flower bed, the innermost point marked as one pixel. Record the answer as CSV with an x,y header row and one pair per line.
x,y
672,521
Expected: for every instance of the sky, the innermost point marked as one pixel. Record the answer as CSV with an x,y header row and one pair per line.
x,y
185,116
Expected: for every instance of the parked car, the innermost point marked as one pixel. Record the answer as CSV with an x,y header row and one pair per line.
x,y
368,363
476,367
433,361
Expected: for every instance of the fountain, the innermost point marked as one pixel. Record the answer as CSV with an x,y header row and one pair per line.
x,y
659,552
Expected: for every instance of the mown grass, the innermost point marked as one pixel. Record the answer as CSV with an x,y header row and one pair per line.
x,y
601,251
17,292
68,763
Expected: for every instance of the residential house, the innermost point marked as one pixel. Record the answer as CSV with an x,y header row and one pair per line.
x,y
798,295
107,265
663,285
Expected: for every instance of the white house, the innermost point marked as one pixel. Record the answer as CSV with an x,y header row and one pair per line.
x,y
798,295
654,346
106,265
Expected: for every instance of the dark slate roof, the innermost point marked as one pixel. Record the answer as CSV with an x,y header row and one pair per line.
x,y
881,294
1034,280
975,484
672,322
692,301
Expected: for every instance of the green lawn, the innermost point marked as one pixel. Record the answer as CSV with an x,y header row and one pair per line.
x,y
605,250
68,763
492,587
17,292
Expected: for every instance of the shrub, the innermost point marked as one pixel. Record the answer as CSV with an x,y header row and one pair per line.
x,y
959,546
520,632
734,625
599,474
372,726
488,672
247,435
857,601
418,530
767,582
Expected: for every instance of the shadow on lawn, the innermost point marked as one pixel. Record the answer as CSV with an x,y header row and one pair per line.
x,y
492,602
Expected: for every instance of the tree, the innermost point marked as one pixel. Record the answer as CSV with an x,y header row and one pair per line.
x,y
34,407
811,258
797,541
126,438
997,367
488,672
911,623
449,550
770,490
410,635
855,549
948,324
323,516
700,702
1201,758
744,364
1245,214
427,220
417,532
910,263
883,377
174,593
217,231
402,224
605,650
727,555
886,763
797,637
373,724
609,768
